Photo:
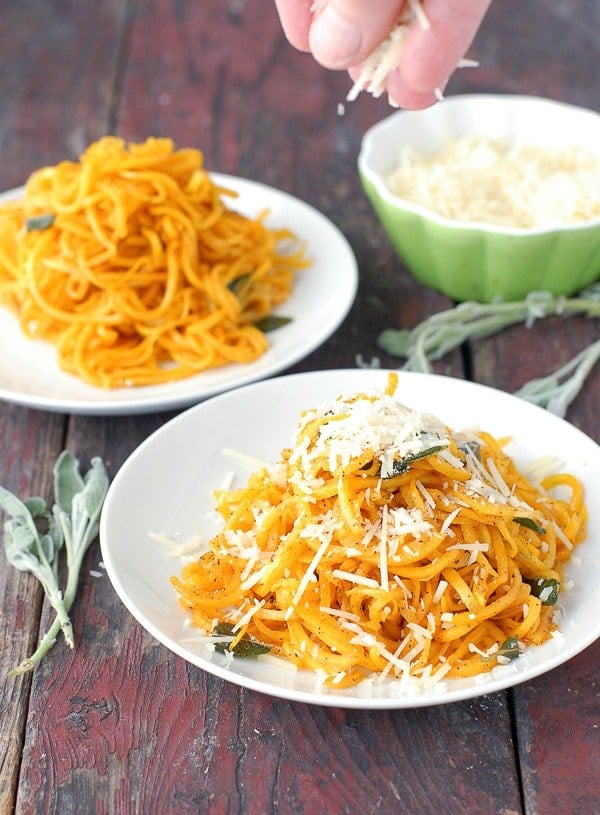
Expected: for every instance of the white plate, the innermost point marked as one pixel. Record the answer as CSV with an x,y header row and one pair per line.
x,y
323,294
166,487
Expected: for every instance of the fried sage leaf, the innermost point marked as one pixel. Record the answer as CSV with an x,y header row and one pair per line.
x,y
402,465
509,648
39,222
529,523
271,323
245,647
545,589
238,283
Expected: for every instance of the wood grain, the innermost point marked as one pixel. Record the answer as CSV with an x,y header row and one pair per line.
x,y
121,725
58,69
558,65
60,64
27,438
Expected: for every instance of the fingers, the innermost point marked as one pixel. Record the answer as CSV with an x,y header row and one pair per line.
x,y
342,33
345,32
296,17
431,55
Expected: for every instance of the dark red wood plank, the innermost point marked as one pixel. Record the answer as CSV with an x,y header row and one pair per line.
x,y
556,716
332,760
93,712
545,49
60,60
120,724
57,72
28,438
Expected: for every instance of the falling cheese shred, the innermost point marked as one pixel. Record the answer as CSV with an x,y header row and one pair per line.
x,y
392,548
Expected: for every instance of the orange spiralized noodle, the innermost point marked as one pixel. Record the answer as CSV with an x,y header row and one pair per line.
x,y
132,265
383,544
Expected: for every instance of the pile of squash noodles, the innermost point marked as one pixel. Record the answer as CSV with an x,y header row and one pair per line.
x,y
132,265
356,559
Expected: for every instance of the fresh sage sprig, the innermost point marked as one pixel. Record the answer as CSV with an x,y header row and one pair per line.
x,y
446,330
441,333
34,537
556,395
32,540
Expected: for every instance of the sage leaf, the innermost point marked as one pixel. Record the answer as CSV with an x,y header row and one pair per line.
x,y
471,447
35,535
39,222
236,285
18,541
245,647
36,506
546,589
271,323
13,506
509,648
67,480
446,330
556,391
402,466
529,523
29,551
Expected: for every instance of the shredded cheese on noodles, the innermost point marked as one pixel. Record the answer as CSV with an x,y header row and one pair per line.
x,y
357,576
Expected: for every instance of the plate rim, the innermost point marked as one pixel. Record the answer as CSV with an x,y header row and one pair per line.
x,y
143,402
326,697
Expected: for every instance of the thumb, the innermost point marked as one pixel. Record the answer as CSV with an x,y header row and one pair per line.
x,y
344,32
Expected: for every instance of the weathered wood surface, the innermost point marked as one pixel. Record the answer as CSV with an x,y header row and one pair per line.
x,y
121,725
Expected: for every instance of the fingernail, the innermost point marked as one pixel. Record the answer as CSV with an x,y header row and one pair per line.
x,y
333,40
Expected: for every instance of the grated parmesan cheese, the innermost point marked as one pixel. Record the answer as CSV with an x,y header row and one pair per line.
x,y
439,592
386,57
383,425
373,433
351,577
245,618
192,546
486,180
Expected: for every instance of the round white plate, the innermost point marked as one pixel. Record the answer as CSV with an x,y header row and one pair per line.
x,y
323,294
166,487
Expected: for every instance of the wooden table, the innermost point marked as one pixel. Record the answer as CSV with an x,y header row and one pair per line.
x,y
121,725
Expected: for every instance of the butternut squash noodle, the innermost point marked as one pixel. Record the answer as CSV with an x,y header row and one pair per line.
x,y
383,544
132,265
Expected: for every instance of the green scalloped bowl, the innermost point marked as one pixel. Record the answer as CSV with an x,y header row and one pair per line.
x,y
476,261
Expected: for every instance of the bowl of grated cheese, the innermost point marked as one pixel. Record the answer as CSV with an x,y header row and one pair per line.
x,y
489,197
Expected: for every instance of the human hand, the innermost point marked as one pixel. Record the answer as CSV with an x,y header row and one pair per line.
x,y
341,34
